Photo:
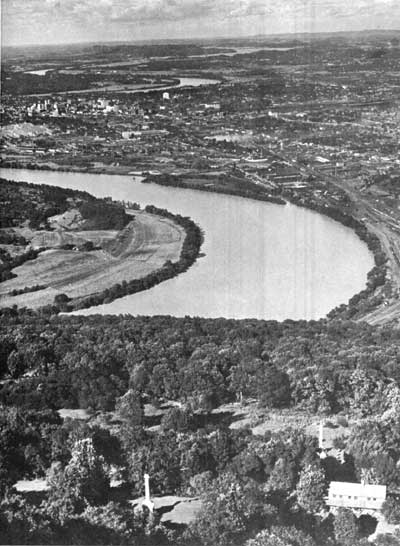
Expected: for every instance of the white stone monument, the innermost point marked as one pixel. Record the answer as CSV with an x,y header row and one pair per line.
x,y
147,500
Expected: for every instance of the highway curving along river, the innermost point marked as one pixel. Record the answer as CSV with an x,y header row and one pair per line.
x,y
261,260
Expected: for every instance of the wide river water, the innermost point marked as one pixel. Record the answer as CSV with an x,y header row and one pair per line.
x,y
130,89
261,260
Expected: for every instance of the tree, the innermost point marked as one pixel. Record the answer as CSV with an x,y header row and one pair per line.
x,y
82,482
203,384
244,378
391,510
386,470
196,456
345,527
130,408
200,163
281,536
179,419
113,524
311,489
22,523
248,463
283,476
274,388
7,346
229,508
200,483
160,457
374,445
387,540
61,298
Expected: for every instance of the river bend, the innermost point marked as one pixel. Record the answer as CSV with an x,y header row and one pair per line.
x,y
262,260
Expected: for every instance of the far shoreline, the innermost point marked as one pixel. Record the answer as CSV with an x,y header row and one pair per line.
x,y
378,271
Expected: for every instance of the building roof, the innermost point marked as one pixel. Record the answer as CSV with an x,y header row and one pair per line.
x,y
183,513
26,486
358,489
173,509
356,495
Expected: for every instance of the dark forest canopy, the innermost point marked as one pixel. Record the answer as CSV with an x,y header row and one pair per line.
x,y
87,362
249,484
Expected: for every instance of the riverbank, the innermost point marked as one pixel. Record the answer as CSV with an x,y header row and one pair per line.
x,y
275,277
372,297
69,268
161,180
190,251
367,300
215,187
75,265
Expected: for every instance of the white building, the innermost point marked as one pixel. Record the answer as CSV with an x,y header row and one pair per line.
x,y
356,496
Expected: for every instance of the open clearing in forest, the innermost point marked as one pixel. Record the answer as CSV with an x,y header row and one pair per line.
x,y
262,420
143,246
173,509
53,239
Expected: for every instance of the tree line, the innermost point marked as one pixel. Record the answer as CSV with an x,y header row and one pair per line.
x,y
189,253
320,366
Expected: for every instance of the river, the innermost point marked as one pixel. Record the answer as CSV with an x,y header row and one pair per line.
x,y
134,88
261,260
243,50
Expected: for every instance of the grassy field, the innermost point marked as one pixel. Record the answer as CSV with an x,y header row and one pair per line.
x,y
143,246
55,239
261,420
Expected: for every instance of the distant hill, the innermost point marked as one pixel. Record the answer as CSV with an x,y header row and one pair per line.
x,y
179,46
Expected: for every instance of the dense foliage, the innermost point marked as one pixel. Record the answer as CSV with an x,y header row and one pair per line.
x,y
248,482
54,80
88,362
22,202
8,262
244,189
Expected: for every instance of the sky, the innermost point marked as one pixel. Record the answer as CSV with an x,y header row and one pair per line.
x,y
68,21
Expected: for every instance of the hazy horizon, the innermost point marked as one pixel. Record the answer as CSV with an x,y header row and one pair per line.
x,y
64,22
196,39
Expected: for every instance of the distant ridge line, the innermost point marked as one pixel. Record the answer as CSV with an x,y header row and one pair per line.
x,y
208,40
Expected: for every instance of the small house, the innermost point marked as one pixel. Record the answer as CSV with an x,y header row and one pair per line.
x,y
356,495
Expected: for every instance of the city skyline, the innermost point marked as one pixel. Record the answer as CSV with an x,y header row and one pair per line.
x,y
71,21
